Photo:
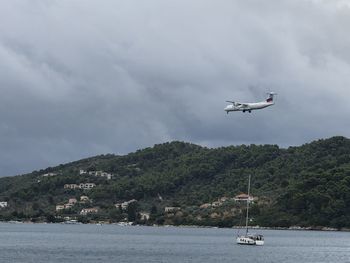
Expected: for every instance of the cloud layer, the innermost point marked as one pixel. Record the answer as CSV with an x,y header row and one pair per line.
x,y
80,78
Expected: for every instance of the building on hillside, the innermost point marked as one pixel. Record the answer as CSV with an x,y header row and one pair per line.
x,y
243,197
216,204
87,211
59,207
126,204
49,175
118,205
84,198
81,172
144,216
68,206
3,205
108,176
224,199
72,201
205,206
87,186
71,186
169,209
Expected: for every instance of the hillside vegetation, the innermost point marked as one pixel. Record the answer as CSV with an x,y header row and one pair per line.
x,y
307,185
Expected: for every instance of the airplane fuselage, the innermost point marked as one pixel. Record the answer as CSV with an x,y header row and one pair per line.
x,y
248,106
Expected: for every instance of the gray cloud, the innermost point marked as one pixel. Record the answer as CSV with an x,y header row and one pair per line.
x,y
80,78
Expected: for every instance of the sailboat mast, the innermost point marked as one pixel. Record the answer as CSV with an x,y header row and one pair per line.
x,y
247,216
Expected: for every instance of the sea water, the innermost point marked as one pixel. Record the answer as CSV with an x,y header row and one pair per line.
x,y
111,243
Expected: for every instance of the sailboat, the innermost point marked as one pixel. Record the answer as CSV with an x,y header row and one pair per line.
x,y
249,239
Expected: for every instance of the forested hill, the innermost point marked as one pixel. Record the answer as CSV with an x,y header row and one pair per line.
x,y
307,185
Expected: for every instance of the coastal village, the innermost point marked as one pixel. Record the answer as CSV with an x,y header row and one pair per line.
x,y
79,205
169,211
84,206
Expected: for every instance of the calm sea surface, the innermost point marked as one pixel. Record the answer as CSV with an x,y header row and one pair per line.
x,y
51,243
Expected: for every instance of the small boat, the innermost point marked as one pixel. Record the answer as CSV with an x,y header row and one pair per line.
x,y
72,222
249,239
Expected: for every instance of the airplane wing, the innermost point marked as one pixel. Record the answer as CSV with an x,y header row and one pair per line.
x,y
242,105
238,104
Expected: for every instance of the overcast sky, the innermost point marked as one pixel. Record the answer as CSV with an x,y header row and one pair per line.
x,y
81,78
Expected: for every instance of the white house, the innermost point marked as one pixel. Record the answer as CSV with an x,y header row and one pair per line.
x,y
216,204
205,206
169,209
144,215
125,205
87,211
243,197
108,176
59,207
81,172
84,198
71,186
3,204
72,201
49,175
87,186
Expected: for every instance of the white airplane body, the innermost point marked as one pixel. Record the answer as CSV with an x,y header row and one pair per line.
x,y
238,106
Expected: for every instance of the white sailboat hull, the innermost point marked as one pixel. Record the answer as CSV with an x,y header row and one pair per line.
x,y
247,240
243,240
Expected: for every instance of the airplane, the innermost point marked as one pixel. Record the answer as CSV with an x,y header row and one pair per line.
x,y
238,106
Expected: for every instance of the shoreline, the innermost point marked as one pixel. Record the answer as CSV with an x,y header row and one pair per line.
x,y
123,224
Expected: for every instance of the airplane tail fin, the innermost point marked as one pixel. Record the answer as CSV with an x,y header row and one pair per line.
x,y
270,96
